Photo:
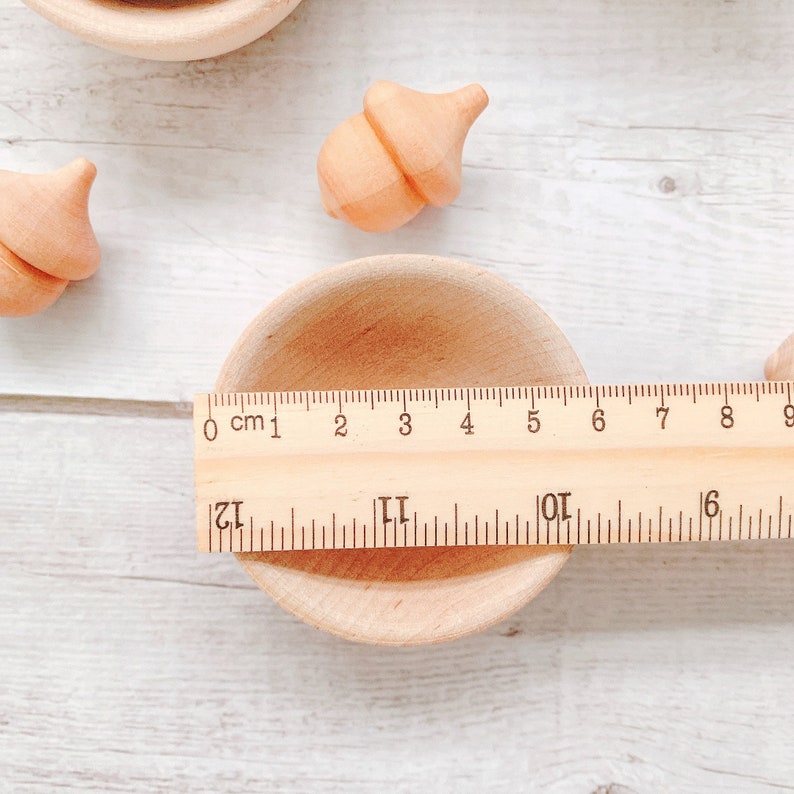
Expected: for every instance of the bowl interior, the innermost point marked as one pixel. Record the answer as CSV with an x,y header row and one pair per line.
x,y
159,5
392,322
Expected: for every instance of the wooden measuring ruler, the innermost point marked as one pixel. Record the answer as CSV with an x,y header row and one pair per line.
x,y
495,466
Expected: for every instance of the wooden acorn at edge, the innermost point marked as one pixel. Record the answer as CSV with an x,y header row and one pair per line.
x,y
46,239
379,168
780,365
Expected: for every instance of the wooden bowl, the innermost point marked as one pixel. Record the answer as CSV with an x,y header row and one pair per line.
x,y
166,30
392,322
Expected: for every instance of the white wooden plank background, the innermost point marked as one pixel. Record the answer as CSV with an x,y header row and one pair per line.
x,y
634,174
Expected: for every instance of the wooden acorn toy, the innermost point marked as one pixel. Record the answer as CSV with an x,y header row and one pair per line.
x,y
46,239
379,168
780,365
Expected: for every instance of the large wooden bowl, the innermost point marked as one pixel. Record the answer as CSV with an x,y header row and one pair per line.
x,y
391,322
166,30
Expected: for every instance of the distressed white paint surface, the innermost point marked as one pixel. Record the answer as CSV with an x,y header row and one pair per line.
x,y
131,663
634,174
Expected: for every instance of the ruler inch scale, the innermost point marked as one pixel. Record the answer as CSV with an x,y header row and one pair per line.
x,y
509,465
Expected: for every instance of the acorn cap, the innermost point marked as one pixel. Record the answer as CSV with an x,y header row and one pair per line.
x,y
24,289
44,219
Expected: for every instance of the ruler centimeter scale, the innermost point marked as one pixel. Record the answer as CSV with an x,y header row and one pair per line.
x,y
279,471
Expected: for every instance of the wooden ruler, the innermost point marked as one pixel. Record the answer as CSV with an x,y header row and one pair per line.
x,y
495,466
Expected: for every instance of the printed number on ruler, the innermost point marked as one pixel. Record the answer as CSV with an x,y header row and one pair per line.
x,y
494,466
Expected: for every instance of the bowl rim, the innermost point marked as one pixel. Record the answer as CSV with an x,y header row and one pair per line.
x,y
187,32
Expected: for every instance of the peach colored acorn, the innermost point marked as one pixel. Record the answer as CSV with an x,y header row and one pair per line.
x,y
46,238
378,169
780,365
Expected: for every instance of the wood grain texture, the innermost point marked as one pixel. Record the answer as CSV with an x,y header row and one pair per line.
x,y
131,663
633,174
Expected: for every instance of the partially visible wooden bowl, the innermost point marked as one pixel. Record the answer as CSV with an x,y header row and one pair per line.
x,y
391,322
166,30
